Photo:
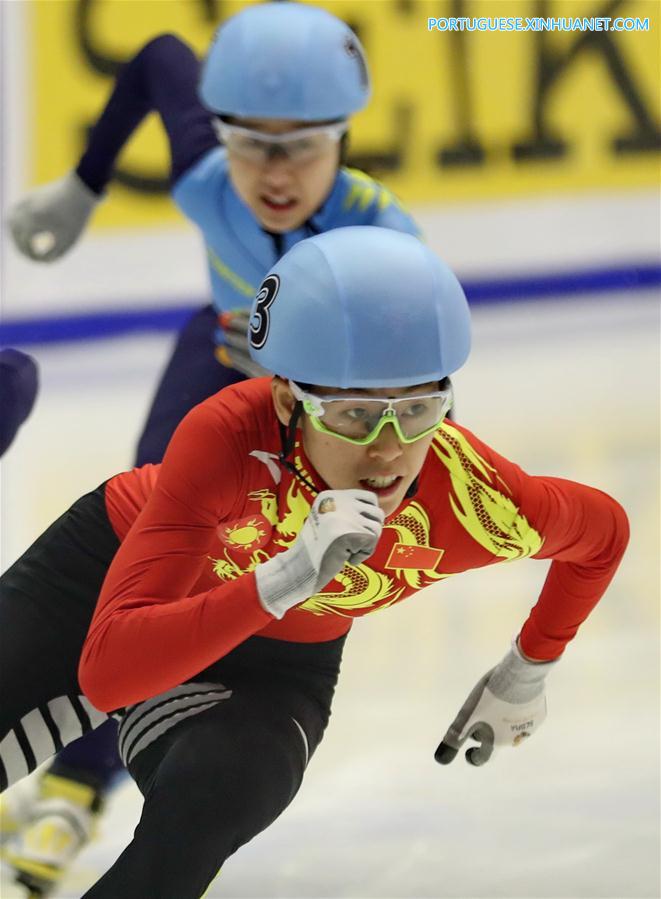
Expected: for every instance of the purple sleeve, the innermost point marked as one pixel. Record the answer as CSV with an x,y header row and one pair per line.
x,y
162,77
19,382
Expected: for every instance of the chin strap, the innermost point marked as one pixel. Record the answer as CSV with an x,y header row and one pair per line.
x,y
413,489
288,440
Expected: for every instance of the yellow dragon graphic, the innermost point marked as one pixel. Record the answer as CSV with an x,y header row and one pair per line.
x,y
485,512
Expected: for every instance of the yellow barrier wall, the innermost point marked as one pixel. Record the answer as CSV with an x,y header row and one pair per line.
x,y
454,115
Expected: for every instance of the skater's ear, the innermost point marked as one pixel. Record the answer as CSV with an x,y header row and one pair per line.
x,y
283,400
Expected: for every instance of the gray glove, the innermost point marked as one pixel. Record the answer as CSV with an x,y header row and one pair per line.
x,y
49,220
233,352
343,526
505,707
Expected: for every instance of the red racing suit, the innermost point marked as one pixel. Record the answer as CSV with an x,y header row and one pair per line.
x,y
181,591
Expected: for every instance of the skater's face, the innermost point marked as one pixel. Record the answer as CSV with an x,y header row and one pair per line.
x,y
282,183
386,466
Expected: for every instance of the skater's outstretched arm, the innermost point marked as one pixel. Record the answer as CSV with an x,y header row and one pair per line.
x,y
161,78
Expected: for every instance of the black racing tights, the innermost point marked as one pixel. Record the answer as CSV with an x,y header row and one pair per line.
x,y
210,785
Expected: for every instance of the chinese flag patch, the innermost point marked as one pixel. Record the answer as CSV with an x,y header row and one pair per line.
x,y
422,558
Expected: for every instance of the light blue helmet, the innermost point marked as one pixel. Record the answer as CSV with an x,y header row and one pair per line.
x,y
360,307
285,61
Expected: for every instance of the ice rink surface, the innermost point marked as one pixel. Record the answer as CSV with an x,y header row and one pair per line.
x,y
566,388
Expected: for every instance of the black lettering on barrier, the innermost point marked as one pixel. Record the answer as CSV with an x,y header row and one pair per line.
x,y
96,59
102,63
467,149
543,143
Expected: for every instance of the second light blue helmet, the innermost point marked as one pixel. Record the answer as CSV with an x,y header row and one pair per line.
x,y
285,61
360,307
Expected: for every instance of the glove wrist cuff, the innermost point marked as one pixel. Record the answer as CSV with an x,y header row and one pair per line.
x,y
285,580
516,679
518,652
81,194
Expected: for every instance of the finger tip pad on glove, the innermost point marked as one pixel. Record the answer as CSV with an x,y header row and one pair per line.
x,y
445,754
476,757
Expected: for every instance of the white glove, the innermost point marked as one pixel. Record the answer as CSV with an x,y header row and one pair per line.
x,y
343,526
505,707
49,220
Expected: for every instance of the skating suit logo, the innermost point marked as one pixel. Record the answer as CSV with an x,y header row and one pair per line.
x,y
246,534
405,561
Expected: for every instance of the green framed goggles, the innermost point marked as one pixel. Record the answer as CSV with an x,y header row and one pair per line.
x,y
360,419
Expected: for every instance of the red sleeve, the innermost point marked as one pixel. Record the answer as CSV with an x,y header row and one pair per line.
x,y
148,634
584,532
